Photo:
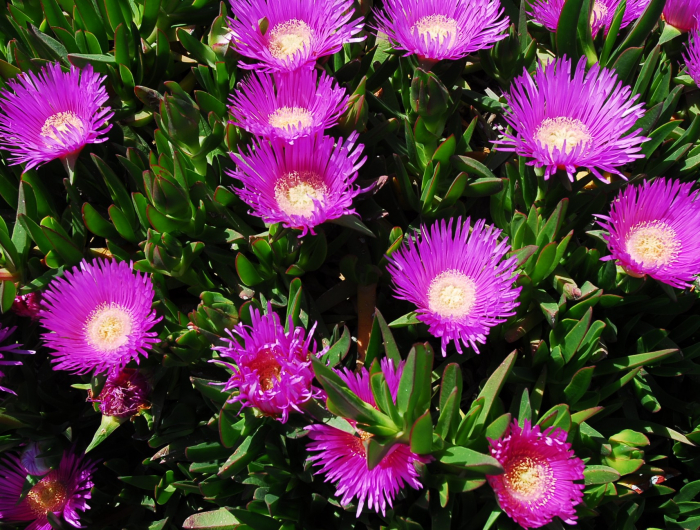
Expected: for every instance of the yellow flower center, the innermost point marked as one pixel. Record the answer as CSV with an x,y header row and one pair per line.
x,y
268,369
451,294
288,38
291,117
599,12
296,191
108,327
553,132
652,243
528,479
60,122
48,495
439,27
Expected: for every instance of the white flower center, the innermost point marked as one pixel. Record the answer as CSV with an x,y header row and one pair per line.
x,y
291,117
288,38
108,327
439,27
553,132
61,121
296,191
598,13
451,294
652,243
47,495
528,479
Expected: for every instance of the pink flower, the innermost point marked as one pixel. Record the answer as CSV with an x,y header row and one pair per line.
x,y
539,473
10,348
63,492
342,456
272,367
125,393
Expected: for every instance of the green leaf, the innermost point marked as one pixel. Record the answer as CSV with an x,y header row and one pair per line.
x,y
8,291
353,222
107,426
471,460
473,167
642,28
220,519
599,475
247,271
498,427
339,350
203,53
669,33
408,319
611,366
422,435
493,387
97,224
579,385
627,62
567,29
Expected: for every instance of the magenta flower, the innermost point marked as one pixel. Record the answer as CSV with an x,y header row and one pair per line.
x,y
99,316
682,14
539,473
294,34
63,492
342,456
652,230
288,105
300,185
27,305
124,394
10,348
691,56
272,370
547,12
53,115
564,123
460,283
442,29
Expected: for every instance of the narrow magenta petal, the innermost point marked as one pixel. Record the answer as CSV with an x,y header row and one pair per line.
x,y
547,12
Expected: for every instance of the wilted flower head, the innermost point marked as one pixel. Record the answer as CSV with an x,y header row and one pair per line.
x,y
53,114
691,56
565,122
682,14
460,283
652,229
288,105
290,34
442,29
27,305
124,394
539,473
10,348
342,456
272,368
300,185
99,316
63,492
547,12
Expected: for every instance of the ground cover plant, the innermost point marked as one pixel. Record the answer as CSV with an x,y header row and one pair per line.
x,y
343,264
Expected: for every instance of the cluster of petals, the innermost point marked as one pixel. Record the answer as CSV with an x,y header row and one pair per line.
x,y
682,14
300,185
547,13
691,55
294,34
99,317
442,29
288,105
5,334
342,455
271,367
565,122
652,230
53,114
459,281
63,491
542,478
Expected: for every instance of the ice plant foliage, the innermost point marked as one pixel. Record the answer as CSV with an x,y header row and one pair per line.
x,y
442,29
285,35
300,185
564,122
652,231
99,317
540,475
682,14
271,367
64,492
53,114
547,12
288,105
691,56
342,456
460,282
9,348
124,394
